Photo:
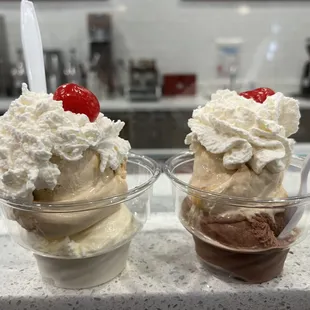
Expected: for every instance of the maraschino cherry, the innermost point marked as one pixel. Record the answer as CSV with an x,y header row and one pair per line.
x,y
78,99
259,94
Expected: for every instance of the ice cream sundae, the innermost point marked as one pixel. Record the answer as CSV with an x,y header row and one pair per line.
x,y
59,153
241,146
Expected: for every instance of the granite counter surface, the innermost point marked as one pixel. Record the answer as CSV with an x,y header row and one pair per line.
x,y
162,273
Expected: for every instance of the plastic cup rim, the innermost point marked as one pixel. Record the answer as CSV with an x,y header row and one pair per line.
x,y
79,206
169,166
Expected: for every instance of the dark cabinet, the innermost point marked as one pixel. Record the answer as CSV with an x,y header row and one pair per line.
x,y
303,134
154,130
125,117
167,129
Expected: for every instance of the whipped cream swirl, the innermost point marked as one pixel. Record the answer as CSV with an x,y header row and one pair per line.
x,y
35,128
245,131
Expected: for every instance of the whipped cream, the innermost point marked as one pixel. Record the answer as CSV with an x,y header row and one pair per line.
x,y
35,128
245,131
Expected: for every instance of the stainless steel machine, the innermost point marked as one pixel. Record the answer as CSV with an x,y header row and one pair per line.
x,y
5,76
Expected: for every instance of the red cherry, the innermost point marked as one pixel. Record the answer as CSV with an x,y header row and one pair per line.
x,y
259,94
78,99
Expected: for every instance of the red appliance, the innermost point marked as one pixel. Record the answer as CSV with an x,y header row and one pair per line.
x,y
179,85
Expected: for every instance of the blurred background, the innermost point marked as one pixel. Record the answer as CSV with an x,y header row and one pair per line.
x,y
151,62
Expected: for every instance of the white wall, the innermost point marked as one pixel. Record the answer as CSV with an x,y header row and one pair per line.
x,y
181,36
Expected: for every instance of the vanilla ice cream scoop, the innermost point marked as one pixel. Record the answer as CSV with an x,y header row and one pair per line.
x,y
79,181
104,234
209,174
82,180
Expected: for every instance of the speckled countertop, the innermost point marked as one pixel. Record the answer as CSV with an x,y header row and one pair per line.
x,y
162,273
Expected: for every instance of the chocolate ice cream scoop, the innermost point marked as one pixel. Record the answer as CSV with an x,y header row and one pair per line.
x,y
245,246
246,232
250,267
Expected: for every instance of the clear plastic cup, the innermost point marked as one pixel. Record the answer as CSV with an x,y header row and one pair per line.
x,y
245,243
88,258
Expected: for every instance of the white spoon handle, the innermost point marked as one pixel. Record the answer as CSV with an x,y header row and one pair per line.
x,y
294,214
32,47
